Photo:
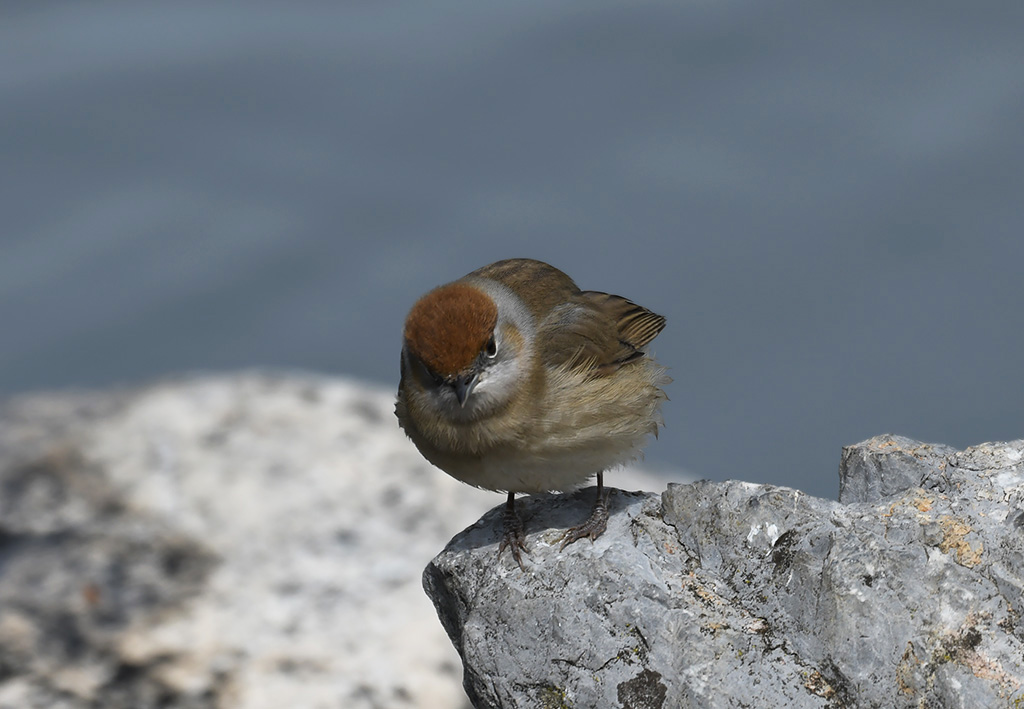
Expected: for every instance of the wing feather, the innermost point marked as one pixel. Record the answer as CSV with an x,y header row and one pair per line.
x,y
598,332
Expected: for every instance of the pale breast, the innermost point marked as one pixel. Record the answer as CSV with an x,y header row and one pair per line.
x,y
583,426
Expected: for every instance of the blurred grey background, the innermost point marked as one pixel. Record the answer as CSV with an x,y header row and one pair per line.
x,y
826,200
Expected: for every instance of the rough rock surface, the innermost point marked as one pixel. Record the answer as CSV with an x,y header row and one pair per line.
x,y
908,593
250,541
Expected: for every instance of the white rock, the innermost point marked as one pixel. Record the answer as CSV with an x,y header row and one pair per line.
x,y
321,516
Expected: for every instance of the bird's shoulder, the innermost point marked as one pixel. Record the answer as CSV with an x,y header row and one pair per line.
x,y
539,285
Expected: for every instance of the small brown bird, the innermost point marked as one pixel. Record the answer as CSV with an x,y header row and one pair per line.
x,y
515,380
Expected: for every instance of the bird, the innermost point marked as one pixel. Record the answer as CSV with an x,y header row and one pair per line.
x,y
515,380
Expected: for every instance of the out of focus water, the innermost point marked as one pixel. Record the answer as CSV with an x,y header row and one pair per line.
x,y
825,200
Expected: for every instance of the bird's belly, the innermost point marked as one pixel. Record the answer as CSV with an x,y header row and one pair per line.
x,y
537,471
555,446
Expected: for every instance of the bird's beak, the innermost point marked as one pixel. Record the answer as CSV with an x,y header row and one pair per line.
x,y
463,386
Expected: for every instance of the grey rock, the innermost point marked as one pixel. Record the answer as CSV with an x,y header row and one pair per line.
x,y
740,595
886,465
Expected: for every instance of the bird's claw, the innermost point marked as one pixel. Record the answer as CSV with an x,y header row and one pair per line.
x,y
513,538
593,528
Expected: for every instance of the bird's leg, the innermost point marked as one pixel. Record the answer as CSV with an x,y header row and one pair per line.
x,y
596,524
513,537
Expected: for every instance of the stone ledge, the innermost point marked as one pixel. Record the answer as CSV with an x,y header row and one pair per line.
x,y
906,594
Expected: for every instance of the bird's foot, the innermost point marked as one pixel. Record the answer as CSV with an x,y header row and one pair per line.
x,y
593,528
514,537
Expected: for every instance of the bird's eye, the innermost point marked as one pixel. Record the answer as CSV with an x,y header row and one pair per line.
x,y
492,348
